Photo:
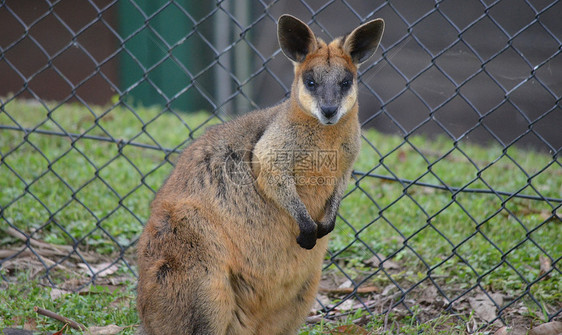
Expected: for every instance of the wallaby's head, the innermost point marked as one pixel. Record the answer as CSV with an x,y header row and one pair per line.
x,y
325,84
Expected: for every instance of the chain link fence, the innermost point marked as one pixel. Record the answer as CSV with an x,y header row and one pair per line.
x,y
456,198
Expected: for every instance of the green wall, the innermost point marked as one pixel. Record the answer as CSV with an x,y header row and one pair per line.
x,y
162,47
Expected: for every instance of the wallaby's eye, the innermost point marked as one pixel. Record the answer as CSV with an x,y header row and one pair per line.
x,y
310,84
345,84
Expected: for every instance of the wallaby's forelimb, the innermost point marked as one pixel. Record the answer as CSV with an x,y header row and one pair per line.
x,y
332,204
281,188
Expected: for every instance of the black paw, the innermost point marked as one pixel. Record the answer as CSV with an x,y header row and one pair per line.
x,y
325,228
307,240
323,231
308,230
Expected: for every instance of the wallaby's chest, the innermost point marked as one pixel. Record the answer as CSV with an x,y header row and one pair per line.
x,y
320,168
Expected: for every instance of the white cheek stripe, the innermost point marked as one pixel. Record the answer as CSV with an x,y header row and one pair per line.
x,y
315,109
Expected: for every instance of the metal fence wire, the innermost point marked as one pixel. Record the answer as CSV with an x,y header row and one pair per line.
x,y
450,76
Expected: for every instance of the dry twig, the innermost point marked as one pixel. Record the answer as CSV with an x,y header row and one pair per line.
x,y
47,249
60,318
349,290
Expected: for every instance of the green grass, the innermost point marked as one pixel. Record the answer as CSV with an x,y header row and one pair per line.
x,y
379,325
99,306
67,191
461,238
86,185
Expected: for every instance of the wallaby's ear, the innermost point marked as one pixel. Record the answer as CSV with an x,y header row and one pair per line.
x,y
362,42
295,38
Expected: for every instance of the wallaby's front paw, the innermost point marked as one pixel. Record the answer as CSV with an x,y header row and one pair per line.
x,y
324,230
307,241
308,231
307,236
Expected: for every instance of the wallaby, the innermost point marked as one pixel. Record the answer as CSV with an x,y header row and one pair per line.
x,y
234,241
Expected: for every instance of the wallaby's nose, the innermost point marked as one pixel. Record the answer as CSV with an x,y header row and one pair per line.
x,y
329,111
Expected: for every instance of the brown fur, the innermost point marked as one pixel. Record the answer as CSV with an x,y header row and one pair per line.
x,y
219,254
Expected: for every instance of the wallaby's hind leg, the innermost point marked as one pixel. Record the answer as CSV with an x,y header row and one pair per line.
x,y
182,288
289,320
181,311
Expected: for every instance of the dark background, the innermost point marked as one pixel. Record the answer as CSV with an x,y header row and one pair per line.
x,y
482,71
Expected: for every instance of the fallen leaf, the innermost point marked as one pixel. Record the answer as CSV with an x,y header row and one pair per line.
x,y
105,330
346,305
319,304
486,311
73,284
549,328
57,293
119,280
314,319
350,330
511,331
61,332
375,262
100,270
522,310
365,304
484,307
362,321
388,289
346,284
501,331
545,266
429,296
